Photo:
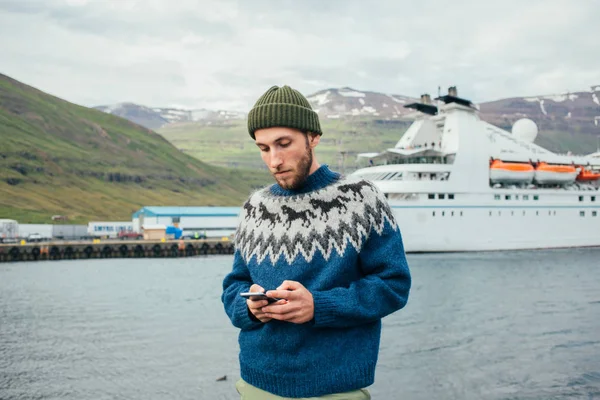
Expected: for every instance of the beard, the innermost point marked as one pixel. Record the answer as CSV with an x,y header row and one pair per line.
x,y
302,171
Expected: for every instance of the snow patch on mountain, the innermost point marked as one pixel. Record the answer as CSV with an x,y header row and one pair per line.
x,y
396,100
350,93
542,107
320,99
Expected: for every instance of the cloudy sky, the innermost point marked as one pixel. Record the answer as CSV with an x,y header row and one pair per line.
x,y
224,54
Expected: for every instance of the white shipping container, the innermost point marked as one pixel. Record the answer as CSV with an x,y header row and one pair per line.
x,y
109,229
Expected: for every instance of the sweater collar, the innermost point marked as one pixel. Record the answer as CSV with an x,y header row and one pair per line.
x,y
319,179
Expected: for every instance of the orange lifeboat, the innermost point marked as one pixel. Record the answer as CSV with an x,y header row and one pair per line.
x,y
555,174
586,175
505,172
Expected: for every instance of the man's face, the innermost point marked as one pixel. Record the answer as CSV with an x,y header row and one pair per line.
x,y
288,154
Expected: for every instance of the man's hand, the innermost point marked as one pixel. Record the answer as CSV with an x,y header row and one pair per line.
x,y
299,307
255,306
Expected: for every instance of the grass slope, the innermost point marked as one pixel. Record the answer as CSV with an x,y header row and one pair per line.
x,y
61,158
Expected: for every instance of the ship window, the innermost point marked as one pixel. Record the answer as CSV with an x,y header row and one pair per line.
x,y
451,196
433,213
537,213
516,197
525,197
593,198
549,212
490,213
452,214
594,213
582,213
580,198
553,212
443,213
536,197
461,213
507,197
523,212
512,213
431,196
496,197
441,196
499,213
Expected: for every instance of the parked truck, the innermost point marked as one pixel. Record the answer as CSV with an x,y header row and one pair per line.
x,y
9,230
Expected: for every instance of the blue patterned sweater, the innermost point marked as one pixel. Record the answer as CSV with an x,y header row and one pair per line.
x,y
338,237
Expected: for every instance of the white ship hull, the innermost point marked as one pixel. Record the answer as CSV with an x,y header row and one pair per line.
x,y
507,228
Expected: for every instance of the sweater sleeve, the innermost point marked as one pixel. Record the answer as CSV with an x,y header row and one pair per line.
x,y
383,289
236,282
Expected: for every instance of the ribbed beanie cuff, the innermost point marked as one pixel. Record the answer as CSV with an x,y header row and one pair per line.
x,y
283,107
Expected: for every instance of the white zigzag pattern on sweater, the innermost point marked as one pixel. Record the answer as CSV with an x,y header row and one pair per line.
x,y
324,220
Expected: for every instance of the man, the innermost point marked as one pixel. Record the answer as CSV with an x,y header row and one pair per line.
x,y
329,248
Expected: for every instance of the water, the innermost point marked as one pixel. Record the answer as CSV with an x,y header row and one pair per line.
x,y
503,325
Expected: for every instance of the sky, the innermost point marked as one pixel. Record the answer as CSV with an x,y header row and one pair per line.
x,y
224,54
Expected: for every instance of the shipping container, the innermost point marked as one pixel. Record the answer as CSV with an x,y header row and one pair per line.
x,y
109,229
69,232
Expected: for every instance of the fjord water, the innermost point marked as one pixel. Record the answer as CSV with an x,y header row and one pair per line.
x,y
499,325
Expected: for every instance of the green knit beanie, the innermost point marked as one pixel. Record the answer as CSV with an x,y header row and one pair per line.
x,y
284,107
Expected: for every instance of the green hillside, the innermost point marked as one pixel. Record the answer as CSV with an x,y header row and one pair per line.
x,y
228,144
61,158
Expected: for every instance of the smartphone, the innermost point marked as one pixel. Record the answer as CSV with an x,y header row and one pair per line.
x,y
259,296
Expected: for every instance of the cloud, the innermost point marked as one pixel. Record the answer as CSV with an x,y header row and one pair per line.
x,y
224,54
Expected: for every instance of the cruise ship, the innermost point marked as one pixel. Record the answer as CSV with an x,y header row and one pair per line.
x,y
457,183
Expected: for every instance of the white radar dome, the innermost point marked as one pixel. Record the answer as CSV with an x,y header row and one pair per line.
x,y
525,129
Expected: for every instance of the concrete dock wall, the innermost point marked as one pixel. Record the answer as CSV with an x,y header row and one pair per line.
x,y
112,249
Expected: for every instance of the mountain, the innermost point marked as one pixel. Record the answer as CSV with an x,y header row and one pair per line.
x,y
60,158
141,115
154,118
566,111
348,102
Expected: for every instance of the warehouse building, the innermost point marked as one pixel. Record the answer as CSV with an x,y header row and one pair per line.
x,y
212,221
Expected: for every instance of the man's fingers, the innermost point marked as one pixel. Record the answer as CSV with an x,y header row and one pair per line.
x,y
263,318
281,317
279,309
282,294
256,288
256,305
290,285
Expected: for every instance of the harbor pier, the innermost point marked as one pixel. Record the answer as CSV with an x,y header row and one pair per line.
x,y
112,249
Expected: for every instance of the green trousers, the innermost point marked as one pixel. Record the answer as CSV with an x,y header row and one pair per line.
x,y
249,392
